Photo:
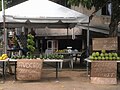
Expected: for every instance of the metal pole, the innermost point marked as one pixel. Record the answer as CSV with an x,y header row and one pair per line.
x,y
5,30
88,38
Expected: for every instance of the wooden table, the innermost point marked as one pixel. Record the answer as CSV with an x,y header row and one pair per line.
x,y
89,61
102,71
57,61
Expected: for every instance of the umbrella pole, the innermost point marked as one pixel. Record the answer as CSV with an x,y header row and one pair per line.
x,y
5,30
88,38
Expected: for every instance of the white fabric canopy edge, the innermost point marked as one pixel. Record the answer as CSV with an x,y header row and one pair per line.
x,y
70,17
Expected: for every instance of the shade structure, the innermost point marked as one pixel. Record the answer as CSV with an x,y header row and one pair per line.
x,y
42,11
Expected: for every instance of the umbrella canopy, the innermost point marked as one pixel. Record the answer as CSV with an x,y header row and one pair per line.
x,y
42,11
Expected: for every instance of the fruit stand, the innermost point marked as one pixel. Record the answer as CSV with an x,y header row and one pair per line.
x,y
25,71
103,61
102,72
30,68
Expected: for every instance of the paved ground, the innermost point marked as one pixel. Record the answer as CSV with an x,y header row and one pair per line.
x,y
68,80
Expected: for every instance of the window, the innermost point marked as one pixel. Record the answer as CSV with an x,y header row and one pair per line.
x,y
106,10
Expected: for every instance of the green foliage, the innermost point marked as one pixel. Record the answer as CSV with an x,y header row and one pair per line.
x,y
30,44
86,3
30,36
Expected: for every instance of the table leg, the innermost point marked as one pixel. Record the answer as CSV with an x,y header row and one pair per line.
x,y
15,70
71,63
87,67
56,70
61,64
3,71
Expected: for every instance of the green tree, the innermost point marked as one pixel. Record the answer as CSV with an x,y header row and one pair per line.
x,y
98,4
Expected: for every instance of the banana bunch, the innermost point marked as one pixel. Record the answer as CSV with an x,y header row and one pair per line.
x,y
3,57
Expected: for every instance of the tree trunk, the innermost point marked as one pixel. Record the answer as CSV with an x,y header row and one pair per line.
x,y
114,18
113,28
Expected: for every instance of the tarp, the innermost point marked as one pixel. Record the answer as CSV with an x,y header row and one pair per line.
x,y
43,11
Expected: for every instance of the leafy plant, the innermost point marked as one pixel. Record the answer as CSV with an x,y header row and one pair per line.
x,y
30,44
